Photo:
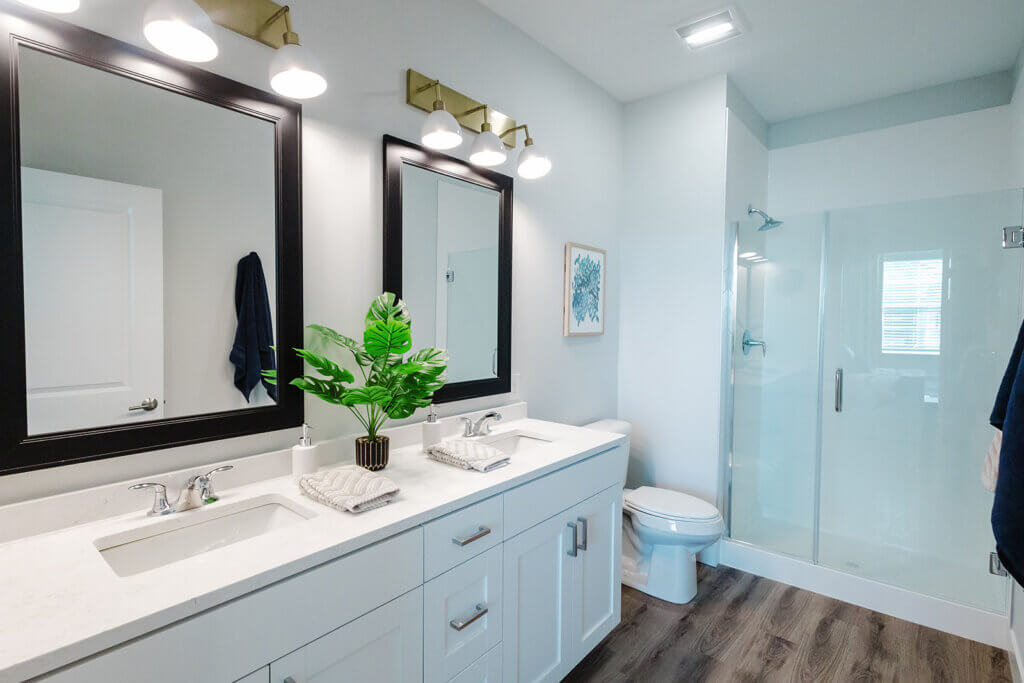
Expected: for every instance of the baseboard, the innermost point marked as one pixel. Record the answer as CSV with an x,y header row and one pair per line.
x,y
960,620
1015,660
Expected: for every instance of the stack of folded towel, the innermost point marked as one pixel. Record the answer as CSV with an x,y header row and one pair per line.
x,y
469,455
349,488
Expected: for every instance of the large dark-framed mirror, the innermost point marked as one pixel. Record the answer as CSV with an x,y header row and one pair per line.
x,y
152,250
448,255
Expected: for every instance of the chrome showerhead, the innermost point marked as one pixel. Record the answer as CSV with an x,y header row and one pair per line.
x,y
769,222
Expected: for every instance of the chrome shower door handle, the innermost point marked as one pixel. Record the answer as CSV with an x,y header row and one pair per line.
x,y
839,390
147,405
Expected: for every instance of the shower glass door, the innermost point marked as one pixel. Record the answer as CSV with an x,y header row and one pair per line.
x,y
918,306
922,309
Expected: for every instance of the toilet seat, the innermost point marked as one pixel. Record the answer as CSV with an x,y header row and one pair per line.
x,y
669,504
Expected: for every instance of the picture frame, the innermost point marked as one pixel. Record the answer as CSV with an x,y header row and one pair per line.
x,y
583,302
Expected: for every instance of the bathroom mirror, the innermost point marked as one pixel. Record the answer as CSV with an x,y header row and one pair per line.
x,y
448,255
152,259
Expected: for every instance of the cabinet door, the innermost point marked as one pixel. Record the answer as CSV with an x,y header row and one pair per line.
x,y
537,580
597,595
384,646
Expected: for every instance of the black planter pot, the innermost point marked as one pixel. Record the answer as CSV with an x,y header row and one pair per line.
x,y
373,455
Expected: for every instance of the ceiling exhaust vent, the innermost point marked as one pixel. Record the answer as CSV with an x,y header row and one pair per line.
x,y
710,29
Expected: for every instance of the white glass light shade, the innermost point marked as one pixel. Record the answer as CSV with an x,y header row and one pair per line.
x,y
488,150
55,6
181,29
533,163
441,131
296,73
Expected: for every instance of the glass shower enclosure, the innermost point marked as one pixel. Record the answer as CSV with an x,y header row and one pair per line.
x,y
868,346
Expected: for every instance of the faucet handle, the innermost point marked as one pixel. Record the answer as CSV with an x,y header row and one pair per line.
x,y
467,432
160,504
207,493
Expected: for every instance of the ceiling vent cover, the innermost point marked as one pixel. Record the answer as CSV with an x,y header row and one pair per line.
x,y
710,29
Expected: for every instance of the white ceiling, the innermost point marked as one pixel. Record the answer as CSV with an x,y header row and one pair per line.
x,y
798,56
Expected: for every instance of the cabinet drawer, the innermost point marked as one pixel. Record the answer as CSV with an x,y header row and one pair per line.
x,y
462,616
487,669
461,535
542,498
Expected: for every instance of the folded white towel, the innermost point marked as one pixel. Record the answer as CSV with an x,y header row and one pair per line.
x,y
350,488
469,455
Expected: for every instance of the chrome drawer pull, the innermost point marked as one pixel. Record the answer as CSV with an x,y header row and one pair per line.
x,y
466,540
459,624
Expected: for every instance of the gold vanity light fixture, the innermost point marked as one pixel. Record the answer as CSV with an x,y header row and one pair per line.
x,y
488,149
440,130
533,160
184,29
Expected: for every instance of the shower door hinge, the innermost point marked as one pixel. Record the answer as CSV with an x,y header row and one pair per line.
x,y
995,566
1013,237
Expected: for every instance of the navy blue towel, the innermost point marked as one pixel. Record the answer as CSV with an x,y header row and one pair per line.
x,y
1008,507
251,352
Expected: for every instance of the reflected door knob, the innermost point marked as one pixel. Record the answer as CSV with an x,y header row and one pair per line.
x,y
148,404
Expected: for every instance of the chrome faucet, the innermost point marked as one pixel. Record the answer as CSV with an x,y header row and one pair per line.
x,y
481,427
198,491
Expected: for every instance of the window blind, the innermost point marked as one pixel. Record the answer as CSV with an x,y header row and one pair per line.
x,y
912,306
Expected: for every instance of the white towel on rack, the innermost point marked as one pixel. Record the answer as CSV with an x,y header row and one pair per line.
x,y
350,488
469,455
990,471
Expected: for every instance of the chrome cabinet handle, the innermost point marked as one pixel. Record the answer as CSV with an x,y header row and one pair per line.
x,y
147,405
466,540
839,390
160,504
583,523
459,624
574,546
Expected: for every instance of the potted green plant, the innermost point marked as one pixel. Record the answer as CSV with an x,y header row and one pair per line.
x,y
394,385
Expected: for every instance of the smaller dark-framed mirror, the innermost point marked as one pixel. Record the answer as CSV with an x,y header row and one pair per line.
x,y
448,255
151,252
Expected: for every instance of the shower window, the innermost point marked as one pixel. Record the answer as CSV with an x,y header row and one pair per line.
x,y
912,306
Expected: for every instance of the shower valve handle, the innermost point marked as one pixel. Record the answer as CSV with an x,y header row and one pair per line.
x,y
749,342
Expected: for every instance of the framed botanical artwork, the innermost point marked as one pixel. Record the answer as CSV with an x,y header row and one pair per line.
x,y
583,306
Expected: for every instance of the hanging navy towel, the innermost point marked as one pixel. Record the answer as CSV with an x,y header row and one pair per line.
x,y
1008,507
251,352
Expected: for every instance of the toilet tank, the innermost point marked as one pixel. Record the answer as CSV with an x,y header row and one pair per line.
x,y
615,427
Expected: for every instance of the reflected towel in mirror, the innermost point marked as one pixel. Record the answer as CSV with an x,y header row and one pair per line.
x,y
251,352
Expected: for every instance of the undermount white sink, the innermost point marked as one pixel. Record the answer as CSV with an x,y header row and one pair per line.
x,y
515,441
194,532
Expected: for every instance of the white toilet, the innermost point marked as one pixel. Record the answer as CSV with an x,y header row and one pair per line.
x,y
662,532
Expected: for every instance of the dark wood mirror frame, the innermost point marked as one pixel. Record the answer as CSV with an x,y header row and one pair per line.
x,y
398,152
18,450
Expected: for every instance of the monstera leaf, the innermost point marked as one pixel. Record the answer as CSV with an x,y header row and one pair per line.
x,y
326,366
331,392
367,396
385,339
388,307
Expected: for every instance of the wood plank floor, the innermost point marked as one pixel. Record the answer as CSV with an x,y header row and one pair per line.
x,y
745,628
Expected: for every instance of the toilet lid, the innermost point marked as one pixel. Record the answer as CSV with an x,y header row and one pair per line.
x,y
671,504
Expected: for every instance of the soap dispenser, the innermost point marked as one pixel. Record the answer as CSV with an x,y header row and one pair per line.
x,y
431,429
303,455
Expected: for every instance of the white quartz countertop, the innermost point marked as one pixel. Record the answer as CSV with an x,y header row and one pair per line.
x,y
61,602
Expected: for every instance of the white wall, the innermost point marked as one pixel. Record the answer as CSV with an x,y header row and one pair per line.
x,y
672,249
366,47
936,158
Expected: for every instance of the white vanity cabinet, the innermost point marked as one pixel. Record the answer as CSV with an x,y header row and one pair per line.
x,y
561,588
515,587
